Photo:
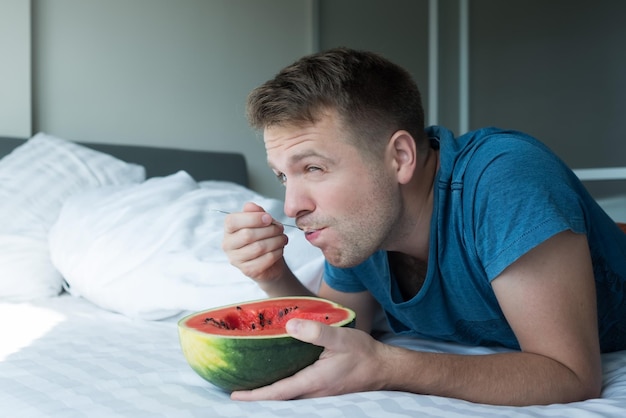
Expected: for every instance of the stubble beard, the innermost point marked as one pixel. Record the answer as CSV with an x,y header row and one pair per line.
x,y
367,229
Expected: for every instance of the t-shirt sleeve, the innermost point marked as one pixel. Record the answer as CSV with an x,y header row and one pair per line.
x,y
521,195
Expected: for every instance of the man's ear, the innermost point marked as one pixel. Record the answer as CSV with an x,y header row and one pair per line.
x,y
403,152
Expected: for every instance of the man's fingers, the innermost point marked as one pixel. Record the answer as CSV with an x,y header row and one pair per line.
x,y
252,207
266,218
340,358
289,388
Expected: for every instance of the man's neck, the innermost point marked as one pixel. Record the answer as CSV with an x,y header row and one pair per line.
x,y
414,238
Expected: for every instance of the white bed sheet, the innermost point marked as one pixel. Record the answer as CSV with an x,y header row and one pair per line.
x,y
66,357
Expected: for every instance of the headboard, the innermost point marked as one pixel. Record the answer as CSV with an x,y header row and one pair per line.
x,y
201,165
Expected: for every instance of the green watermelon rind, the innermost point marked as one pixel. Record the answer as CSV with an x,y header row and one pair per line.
x,y
242,363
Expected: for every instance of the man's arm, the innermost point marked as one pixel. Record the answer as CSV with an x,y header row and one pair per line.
x,y
255,244
548,297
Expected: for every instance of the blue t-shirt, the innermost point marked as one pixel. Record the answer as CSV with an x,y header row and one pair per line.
x,y
498,194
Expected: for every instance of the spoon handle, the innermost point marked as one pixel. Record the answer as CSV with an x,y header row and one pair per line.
x,y
275,222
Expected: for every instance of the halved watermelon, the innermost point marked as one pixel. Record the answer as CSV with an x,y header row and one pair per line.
x,y
245,346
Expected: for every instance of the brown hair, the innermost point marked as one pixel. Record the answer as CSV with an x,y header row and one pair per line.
x,y
372,96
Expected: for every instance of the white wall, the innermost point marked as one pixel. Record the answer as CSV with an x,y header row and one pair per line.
x,y
163,72
15,86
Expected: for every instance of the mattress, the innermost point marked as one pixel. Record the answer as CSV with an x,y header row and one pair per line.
x,y
66,357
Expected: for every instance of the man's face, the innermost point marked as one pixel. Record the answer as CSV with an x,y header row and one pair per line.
x,y
346,205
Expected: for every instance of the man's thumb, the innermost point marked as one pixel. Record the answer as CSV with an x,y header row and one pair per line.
x,y
313,332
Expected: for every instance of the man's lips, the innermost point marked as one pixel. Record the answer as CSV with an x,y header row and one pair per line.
x,y
312,234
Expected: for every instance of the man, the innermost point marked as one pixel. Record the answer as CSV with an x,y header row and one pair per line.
x,y
484,239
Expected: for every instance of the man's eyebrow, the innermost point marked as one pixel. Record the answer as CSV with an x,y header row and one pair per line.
x,y
306,154
296,158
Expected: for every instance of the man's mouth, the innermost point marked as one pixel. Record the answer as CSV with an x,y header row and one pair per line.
x,y
311,234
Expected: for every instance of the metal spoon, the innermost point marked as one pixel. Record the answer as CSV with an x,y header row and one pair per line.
x,y
275,222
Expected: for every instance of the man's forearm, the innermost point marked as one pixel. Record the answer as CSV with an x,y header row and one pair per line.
x,y
514,378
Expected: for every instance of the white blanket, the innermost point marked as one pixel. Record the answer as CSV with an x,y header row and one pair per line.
x,y
153,250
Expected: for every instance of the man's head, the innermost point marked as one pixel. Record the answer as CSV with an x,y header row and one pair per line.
x,y
372,96
342,130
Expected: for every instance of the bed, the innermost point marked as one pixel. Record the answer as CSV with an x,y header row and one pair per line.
x,y
105,247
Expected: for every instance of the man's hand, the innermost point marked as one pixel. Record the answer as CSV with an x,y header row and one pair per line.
x,y
350,362
254,243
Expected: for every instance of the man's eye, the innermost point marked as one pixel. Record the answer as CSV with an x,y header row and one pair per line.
x,y
313,168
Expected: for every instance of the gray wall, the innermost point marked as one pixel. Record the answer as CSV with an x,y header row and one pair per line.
x,y
396,29
15,86
162,72
556,69
176,72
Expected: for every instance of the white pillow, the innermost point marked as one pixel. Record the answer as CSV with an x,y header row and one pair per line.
x,y
154,250
35,180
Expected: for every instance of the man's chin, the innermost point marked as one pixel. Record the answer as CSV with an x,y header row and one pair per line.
x,y
341,261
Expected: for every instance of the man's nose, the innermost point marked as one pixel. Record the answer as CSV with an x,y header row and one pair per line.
x,y
296,200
